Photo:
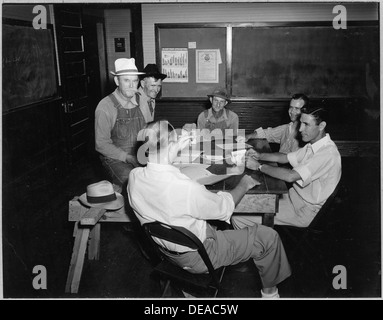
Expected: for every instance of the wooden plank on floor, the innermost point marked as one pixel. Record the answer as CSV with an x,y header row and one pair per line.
x,y
77,261
94,243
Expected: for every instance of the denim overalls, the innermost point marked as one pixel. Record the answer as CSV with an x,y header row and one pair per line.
x,y
128,123
124,135
222,124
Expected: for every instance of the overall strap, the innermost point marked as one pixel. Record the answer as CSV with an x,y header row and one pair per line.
x,y
227,117
115,101
138,98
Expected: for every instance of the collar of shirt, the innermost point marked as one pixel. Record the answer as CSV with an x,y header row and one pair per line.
x,y
144,97
291,126
162,167
320,143
123,101
210,115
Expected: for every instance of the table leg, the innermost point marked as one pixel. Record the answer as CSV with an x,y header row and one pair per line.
x,y
77,260
94,243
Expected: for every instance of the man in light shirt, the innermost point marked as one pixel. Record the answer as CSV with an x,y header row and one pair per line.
x,y
160,192
118,119
287,134
316,171
218,118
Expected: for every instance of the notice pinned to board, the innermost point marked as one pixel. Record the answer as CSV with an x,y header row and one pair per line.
x,y
207,65
174,63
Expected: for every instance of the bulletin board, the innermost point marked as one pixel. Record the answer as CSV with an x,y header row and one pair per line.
x,y
317,60
273,60
200,45
29,72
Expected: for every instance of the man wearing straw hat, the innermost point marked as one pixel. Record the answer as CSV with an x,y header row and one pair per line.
x,y
118,119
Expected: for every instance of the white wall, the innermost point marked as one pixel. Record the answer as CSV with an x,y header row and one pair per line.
x,y
242,12
118,24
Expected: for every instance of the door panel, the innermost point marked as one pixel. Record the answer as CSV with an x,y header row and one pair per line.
x,y
74,78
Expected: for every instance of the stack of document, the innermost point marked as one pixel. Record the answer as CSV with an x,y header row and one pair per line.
x,y
233,146
200,173
187,156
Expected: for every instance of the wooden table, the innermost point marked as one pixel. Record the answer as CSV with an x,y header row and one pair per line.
x,y
263,199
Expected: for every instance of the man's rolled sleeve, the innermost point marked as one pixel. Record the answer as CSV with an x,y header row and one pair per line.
x,y
305,174
292,158
260,133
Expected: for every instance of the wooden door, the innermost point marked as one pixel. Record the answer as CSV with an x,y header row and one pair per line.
x,y
74,81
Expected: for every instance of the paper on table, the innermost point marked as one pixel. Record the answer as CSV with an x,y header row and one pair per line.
x,y
214,158
231,146
186,157
198,173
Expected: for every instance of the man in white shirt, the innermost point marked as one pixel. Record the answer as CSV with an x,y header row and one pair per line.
x,y
150,87
286,134
316,171
160,192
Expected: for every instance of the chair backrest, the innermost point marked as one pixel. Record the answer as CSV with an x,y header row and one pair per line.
x,y
181,236
325,208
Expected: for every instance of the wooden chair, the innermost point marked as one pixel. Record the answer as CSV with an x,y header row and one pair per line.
x,y
300,239
176,278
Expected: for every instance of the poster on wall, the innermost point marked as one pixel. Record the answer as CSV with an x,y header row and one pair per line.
x,y
174,63
207,63
119,44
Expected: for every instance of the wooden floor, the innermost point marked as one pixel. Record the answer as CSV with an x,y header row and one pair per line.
x,y
36,232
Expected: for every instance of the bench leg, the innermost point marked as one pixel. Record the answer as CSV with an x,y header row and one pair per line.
x,y
77,260
94,243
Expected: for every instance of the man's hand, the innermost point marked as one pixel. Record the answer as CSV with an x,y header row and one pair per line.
x,y
244,185
132,160
249,182
251,136
184,140
252,164
251,153
241,139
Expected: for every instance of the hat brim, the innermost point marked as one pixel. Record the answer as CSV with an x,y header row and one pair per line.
x,y
155,75
127,73
220,96
112,205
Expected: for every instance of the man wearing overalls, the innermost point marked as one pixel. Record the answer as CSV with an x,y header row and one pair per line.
x,y
218,117
118,119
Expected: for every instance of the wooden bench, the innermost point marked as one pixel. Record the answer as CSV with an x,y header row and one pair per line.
x,y
87,230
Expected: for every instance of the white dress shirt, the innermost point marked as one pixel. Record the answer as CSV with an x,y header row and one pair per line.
x,y
160,192
319,166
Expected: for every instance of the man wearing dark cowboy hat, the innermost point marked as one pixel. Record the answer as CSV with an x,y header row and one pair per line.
x,y
218,117
150,86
